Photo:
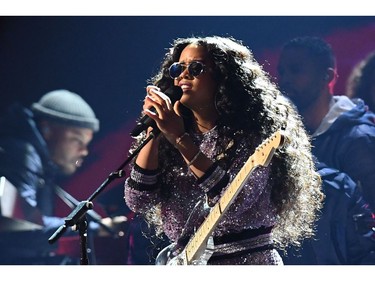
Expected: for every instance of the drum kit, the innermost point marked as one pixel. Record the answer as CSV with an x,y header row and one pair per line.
x,y
28,243
9,217
16,225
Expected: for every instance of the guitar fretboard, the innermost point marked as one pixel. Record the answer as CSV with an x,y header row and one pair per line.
x,y
261,156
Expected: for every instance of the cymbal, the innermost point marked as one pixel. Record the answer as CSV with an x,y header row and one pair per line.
x,y
11,224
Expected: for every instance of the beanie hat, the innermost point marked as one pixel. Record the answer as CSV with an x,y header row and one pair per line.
x,y
67,108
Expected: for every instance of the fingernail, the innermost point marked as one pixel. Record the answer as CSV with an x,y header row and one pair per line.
x,y
149,97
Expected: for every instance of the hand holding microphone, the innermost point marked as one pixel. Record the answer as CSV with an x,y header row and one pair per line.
x,y
162,103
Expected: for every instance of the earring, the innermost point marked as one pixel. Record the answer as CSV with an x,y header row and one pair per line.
x,y
215,103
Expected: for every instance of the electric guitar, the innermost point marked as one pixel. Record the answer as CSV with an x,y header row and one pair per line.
x,y
200,246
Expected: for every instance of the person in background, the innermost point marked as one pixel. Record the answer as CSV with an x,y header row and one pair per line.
x,y
38,146
342,130
361,81
343,139
345,231
229,106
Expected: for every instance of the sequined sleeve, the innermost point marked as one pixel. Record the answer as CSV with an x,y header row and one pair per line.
x,y
141,189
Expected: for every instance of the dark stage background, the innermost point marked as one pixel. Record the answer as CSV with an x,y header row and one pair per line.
x,y
108,59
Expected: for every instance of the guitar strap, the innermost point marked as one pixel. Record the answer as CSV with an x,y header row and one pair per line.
x,y
245,234
215,257
242,243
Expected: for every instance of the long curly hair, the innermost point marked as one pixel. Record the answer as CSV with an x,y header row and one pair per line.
x,y
248,102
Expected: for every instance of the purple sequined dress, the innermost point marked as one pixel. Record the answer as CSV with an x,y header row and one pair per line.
x,y
250,211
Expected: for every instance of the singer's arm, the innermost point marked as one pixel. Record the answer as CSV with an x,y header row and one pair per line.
x,y
147,158
141,187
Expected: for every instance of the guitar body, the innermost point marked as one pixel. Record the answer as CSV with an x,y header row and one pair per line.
x,y
172,255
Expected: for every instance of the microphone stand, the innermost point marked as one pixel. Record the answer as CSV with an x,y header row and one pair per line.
x,y
78,218
71,202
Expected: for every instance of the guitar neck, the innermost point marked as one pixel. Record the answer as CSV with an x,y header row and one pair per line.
x,y
209,224
261,156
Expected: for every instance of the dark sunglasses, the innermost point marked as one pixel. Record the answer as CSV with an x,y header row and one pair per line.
x,y
195,68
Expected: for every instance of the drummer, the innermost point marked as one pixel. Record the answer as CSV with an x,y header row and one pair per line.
x,y
40,145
